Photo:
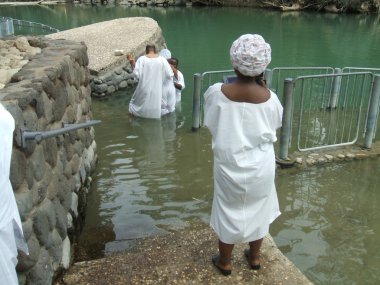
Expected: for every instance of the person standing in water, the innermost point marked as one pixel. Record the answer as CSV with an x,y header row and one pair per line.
x,y
151,70
243,117
179,80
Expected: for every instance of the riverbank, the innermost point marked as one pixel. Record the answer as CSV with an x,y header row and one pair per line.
x,y
183,258
335,6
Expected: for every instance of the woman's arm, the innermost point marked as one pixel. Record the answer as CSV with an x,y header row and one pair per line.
x,y
131,61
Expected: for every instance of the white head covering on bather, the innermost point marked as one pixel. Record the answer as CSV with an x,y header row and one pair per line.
x,y
165,53
250,54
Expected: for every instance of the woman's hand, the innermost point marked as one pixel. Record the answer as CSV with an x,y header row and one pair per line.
x,y
131,60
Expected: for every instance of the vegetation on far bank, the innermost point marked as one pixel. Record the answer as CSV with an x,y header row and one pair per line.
x,y
333,6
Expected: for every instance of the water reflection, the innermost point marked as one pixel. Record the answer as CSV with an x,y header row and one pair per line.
x,y
329,226
140,187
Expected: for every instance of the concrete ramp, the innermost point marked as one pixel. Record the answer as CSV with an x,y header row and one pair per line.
x,y
184,257
104,38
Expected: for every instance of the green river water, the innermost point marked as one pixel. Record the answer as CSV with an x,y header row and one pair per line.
x,y
156,176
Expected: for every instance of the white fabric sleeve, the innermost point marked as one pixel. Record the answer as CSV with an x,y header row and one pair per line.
x,y
210,112
279,109
138,66
167,69
181,80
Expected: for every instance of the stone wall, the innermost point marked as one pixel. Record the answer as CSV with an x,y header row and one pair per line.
x,y
106,84
109,67
50,179
120,76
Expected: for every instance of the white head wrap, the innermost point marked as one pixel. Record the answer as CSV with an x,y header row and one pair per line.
x,y
165,53
250,54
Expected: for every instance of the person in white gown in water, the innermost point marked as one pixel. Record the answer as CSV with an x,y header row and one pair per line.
x,y
243,117
152,70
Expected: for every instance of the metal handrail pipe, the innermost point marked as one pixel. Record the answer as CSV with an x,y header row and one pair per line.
x,y
373,112
39,136
331,75
304,68
287,116
349,68
217,72
327,146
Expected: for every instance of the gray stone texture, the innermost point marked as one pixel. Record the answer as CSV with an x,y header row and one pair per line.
x,y
111,71
42,272
18,168
47,92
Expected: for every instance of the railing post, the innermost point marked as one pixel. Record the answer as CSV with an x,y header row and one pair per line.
x,y
335,89
286,128
197,101
373,112
268,77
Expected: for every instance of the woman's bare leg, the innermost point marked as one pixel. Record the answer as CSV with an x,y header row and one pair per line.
x,y
254,250
225,253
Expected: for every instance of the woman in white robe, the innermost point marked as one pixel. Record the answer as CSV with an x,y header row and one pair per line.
x,y
11,234
243,117
151,70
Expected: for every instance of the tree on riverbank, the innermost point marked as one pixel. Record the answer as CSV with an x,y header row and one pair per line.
x,y
335,6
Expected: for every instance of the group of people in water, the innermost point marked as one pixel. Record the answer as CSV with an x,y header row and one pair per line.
x,y
160,84
242,117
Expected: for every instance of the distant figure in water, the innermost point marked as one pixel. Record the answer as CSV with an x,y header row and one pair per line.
x,y
179,80
168,89
151,70
243,117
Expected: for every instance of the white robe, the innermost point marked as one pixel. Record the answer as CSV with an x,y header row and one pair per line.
x,y
147,98
11,235
180,80
168,97
245,199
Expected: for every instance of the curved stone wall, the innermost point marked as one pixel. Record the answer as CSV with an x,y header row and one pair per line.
x,y
109,67
50,179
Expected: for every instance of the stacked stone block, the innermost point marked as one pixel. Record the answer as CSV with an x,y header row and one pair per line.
x,y
119,78
50,179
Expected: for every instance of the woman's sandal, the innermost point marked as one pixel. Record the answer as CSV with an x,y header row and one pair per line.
x,y
247,254
214,260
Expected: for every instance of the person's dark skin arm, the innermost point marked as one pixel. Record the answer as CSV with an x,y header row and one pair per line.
x,y
176,85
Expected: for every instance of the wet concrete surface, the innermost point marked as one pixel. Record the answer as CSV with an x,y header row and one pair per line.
x,y
183,257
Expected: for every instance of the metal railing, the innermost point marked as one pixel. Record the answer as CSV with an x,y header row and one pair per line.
x,y
41,135
328,109
321,125
6,27
274,81
201,82
276,76
10,27
33,27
